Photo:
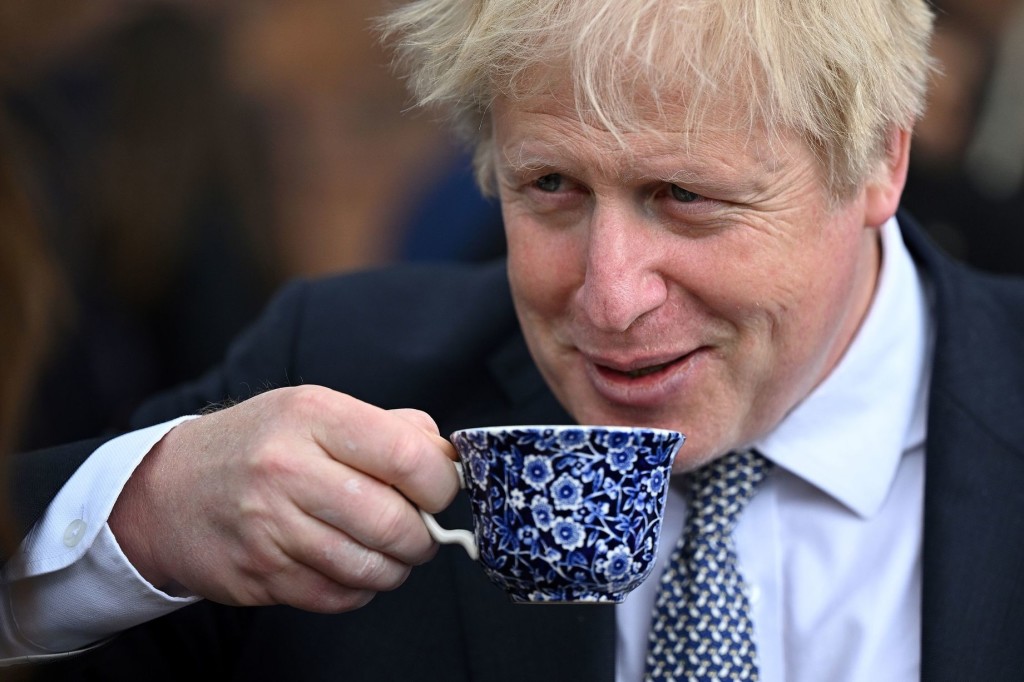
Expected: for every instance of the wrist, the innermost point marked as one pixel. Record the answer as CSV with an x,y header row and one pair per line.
x,y
131,525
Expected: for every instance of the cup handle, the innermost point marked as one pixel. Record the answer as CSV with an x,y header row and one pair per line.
x,y
452,537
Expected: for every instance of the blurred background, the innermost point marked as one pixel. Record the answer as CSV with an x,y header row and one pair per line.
x,y
165,164
966,181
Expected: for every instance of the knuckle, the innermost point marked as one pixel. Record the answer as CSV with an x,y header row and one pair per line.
x,y
390,527
271,463
257,561
371,571
265,476
309,399
377,572
403,458
391,576
418,417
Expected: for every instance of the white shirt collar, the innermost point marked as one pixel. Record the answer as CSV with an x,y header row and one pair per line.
x,y
846,438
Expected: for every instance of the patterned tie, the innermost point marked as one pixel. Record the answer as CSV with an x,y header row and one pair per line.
x,y
701,629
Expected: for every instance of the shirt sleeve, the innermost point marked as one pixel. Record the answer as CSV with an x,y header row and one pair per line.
x,y
69,585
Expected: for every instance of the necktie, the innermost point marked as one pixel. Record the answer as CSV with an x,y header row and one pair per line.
x,y
701,628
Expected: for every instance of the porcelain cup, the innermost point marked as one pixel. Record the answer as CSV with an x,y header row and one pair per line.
x,y
563,513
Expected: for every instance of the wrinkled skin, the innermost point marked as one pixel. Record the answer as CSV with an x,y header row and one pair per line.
x,y
706,289
300,496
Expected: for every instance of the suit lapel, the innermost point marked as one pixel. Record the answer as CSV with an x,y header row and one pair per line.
x,y
973,555
973,560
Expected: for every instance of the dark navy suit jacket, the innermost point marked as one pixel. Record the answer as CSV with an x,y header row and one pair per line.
x,y
445,339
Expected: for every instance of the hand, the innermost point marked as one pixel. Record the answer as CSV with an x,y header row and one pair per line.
x,y
300,496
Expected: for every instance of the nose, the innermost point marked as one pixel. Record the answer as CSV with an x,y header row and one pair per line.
x,y
621,283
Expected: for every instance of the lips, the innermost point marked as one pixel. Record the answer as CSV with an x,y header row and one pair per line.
x,y
644,371
636,369
649,383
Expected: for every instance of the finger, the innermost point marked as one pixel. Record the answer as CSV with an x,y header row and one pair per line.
x,y
388,447
330,569
371,512
294,558
305,588
425,422
418,418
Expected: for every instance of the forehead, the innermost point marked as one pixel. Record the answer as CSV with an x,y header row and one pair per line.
x,y
660,137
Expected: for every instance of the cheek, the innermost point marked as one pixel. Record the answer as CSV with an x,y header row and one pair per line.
x,y
543,268
778,268
810,309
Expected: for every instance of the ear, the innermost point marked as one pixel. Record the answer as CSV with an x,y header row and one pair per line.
x,y
882,192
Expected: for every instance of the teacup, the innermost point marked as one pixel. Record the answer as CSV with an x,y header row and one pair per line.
x,y
564,513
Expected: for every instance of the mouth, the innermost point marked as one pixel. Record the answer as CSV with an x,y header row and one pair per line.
x,y
640,369
644,388
644,371
649,383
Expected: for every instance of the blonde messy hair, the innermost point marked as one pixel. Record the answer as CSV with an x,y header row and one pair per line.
x,y
840,73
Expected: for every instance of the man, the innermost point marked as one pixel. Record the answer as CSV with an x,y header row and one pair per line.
x,y
699,200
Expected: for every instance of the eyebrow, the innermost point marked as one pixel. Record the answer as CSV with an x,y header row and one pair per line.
x,y
525,163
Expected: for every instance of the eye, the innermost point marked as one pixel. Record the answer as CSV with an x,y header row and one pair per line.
x,y
551,182
683,195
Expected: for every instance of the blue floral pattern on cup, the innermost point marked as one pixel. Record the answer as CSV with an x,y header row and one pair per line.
x,y
567,513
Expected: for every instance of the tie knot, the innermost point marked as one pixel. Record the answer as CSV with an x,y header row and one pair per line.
x,y
720,490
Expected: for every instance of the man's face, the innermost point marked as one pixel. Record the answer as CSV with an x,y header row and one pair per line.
x,y
706,289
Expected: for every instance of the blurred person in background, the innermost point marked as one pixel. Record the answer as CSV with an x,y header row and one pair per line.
x,y
359,177
193,156
32,298
966,180
147,179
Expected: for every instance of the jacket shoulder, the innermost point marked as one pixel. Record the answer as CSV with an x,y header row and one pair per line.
x,y
392,336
